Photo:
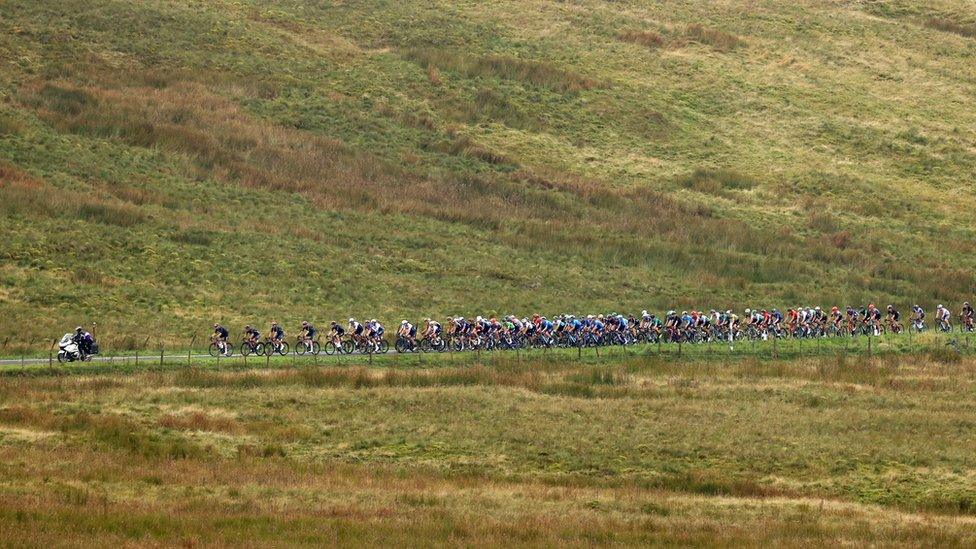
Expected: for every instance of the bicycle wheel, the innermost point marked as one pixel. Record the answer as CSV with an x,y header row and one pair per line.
x,y
329,348
384,346
214,350
315,348
401,345
246,349
300,348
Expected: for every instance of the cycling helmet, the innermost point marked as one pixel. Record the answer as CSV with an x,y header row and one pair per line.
x,y
728,312
78,329
216,325
966,304
351,320
940,306
644,312
748,311
274,322
817,308
404,323
373,321
248,327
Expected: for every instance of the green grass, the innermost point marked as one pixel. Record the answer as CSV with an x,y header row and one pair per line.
x,y
627,451
165,163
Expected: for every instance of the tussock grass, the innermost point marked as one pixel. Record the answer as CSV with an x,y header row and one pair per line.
x,y
716,38
536,73
647,38
947,24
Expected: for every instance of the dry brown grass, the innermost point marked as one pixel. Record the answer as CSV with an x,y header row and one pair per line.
x,y
647,38
718,39
947,24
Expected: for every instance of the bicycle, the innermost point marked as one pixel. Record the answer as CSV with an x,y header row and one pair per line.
x,y
247,347
434,344
404,345
271,347
917,326
219,347
894,326
945,326
304,346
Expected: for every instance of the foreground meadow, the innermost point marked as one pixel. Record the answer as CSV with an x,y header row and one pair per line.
x,y
631,451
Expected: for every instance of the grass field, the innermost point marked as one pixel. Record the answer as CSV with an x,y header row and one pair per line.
x,y
835,450
167,163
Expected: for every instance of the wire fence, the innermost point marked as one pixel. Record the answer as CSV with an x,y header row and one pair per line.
x,y
145,351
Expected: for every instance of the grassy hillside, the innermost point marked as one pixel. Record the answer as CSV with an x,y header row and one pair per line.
x,y
165,163
823,452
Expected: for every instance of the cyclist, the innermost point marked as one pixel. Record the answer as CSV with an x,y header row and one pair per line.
x,y
732,321
375,332
942,315
777,320
356,329
966,316
918,317
836,317
852,318
432,329
307,335
873,317
335,334
893,317
408,331
251,336
277,334
219,337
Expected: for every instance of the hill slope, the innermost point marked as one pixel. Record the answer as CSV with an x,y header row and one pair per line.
x,y
168,162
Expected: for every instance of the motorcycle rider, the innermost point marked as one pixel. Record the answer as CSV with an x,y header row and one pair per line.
x,y
84,341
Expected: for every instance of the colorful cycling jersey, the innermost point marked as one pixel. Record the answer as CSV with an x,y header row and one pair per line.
x,y
221,332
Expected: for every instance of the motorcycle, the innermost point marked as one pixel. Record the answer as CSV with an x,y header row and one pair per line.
x,y
69,351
